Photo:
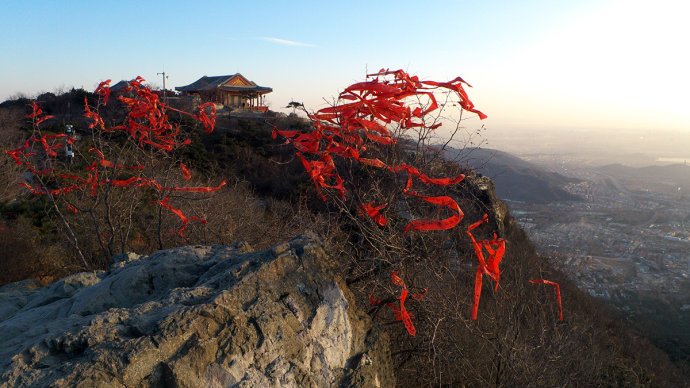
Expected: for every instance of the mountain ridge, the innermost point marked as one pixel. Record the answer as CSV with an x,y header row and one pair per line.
x,y
516,179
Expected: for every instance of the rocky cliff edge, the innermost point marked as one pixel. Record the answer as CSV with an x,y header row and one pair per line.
x,y
194,316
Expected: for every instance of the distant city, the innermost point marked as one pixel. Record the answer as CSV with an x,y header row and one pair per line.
x,y
623,235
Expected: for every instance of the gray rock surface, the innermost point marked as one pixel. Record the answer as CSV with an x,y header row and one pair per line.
x,y
194,317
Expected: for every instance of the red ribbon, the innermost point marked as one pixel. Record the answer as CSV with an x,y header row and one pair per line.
x,y
401,312
557,288
374,212
103,90
164,203
495,249
185,172
201,189
37,114
427,225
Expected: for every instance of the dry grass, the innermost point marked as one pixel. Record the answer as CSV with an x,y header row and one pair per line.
x,y
26,254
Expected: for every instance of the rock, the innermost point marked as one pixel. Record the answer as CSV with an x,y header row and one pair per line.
x,y
14,296
194,317
122,259
485,192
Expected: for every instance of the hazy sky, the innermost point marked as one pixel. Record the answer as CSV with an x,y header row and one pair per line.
x,y
533,64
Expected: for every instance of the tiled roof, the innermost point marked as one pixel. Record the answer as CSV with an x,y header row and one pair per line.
x,y
205,83
119,86
211,83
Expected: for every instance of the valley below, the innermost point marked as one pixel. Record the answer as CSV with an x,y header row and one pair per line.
x,y
623,237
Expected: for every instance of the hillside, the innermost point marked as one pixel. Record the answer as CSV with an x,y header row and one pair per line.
x,y
515,178
669,179
517,339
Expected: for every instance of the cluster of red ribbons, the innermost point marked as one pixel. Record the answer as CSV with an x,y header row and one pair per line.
x,y
489,265
96,119
495,249
374,212
400,311
146,123
103,90
557,288
364,114
49,144
37,114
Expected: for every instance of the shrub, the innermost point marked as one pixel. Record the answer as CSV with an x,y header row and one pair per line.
x,y
101,196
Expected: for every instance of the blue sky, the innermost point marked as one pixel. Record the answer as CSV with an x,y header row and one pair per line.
x,y
533,64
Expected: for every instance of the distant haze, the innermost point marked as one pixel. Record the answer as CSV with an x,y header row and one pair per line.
x,y
597,147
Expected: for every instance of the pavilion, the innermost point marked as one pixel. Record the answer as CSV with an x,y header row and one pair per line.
x,y
234,91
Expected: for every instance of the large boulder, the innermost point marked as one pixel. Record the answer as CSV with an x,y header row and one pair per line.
x,y
199,316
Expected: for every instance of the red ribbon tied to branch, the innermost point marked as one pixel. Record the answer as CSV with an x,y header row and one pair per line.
x,y
206,114
495,248
103,90
164,204
96,119
402,314
37,114
365,114
185,172
201,189
557,289
444,201
400,311
146,123
374,212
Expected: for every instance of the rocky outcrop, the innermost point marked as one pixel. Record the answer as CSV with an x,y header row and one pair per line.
x,y
194,316
483,190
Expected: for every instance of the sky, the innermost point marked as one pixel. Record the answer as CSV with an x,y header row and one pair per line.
x,y
539,65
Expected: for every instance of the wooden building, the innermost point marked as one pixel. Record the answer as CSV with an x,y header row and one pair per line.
x,y
233,91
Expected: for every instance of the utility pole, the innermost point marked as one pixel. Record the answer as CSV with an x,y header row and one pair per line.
x,y
164,77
